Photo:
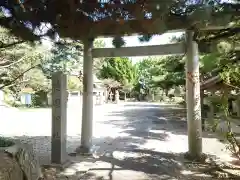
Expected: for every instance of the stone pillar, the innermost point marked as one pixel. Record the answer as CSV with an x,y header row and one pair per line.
x,y
153,97
87,103
59,118
117,97
193,97
101,98
106,95
97,99
202,108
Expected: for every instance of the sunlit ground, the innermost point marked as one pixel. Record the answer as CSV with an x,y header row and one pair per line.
x,y
137,140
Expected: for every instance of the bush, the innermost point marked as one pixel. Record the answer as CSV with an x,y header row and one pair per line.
x,y
182,103
39,99
4,142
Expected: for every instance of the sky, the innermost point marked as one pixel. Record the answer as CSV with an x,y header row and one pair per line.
x,y
156,40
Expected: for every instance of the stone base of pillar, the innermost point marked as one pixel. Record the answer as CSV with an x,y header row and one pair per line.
x,y
196,158
63,165
84,151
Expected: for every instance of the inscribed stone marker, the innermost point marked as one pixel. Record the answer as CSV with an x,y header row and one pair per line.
x,y
59,116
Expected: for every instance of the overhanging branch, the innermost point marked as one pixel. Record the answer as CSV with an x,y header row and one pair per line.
x,y
4,45
226,33
16,78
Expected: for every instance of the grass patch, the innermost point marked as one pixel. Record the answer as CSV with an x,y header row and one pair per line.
x,y
4,142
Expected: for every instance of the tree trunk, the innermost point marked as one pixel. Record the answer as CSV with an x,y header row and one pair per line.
x,y
153,97
166,92
238,105
107,94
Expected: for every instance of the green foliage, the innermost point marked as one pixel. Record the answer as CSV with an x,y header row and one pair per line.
x,y
199,12
127,87
232,143
74,84
111,83
119,69
145,38
39,99
5,142
37,80
165,72
20,66
24,65
226,61
63,57
97,64
118,42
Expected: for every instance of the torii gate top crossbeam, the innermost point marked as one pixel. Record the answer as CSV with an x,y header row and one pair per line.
x,y
165,49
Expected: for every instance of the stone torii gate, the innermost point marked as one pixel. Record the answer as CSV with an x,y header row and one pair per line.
x,y
59,122
85,20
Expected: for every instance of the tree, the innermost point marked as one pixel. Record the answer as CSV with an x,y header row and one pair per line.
x,y
172,73
119,69
32,64
127,88
17,61
24,22
74,84
64,56
110,85
20,68
98,62
165,72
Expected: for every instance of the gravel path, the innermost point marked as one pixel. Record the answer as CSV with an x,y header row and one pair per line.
x,y
141,140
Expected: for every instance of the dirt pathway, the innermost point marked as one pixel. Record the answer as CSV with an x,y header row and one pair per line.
x,y
137,141
150,144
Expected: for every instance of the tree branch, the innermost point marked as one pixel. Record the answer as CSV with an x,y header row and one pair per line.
x,y
226,33
3,45
8,64
16,78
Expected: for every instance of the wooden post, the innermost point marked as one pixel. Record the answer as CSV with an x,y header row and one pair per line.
x,y
59,118
87,103
202,108
211,111
238,105
193,97
117,97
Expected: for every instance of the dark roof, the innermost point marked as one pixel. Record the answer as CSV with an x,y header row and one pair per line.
x,y
211,82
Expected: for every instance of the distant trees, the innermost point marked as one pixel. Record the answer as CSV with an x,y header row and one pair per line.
x,y
165,72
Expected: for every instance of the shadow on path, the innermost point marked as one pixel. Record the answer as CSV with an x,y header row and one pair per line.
x,y
148,146
142,120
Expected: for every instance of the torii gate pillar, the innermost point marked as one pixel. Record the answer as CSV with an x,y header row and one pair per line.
x,y
193,97
87,102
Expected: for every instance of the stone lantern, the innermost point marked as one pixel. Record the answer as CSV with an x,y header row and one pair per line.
x,y
117,97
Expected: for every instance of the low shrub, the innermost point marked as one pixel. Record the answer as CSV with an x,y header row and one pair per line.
x,y
4,142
